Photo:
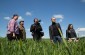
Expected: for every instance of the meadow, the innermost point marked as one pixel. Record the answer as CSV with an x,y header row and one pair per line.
x,y
44,47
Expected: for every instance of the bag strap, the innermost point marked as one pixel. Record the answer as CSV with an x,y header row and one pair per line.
x,y
57,27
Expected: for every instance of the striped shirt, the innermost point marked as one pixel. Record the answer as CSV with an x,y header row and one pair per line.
x,y
12,27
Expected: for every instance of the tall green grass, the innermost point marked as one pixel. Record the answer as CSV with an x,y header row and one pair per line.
x,y
43,47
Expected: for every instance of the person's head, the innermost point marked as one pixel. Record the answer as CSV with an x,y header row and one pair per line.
x,y
21,22
36,20
70,26
15,17
53,19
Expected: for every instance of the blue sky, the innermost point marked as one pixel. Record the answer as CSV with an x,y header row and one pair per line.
x,y
66,12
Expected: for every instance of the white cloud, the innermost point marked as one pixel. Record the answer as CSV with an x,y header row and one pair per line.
x,y
80,29
7,18
59,16
20,18
80,32
83,0
28,14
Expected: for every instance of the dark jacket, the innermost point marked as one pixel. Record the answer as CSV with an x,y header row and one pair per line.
x,y
53,30
22,32
35,28
71,33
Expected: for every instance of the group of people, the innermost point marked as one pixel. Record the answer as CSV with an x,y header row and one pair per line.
x,y
15,32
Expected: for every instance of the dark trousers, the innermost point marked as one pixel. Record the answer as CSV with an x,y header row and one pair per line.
x,y
10,37
57,39
36,37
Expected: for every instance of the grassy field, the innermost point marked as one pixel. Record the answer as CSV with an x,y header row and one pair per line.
x,y
43,47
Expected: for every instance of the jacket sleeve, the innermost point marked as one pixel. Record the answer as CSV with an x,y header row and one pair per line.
x,y
12,25
50,33
32,28
75,34
67,34
60,28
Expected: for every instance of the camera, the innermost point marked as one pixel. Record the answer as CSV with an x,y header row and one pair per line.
x,y
39,20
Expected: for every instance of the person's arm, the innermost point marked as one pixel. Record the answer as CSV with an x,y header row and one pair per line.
x,y
50,34
60,28
75,33
24,34
66,34
12,27
32,28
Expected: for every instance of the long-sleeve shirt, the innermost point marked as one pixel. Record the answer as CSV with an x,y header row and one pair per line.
x,y
12,27
53,30
71,33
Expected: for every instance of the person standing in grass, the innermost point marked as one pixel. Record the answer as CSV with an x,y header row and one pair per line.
x,y
71,34
54,33
22,32
36,30
12,28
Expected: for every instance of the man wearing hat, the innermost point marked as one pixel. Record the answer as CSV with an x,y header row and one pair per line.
x,y
22,32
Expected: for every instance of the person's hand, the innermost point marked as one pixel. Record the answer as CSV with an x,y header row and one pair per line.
x,y
13,34
51,41
34,26
70,40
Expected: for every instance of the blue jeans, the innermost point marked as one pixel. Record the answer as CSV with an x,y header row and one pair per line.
x,y
57,39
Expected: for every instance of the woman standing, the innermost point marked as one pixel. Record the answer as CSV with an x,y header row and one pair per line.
x,y
71,34
12,28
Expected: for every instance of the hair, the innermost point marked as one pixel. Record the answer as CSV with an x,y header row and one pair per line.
x,y
35,18
14,15
69,26
52,18
21,21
